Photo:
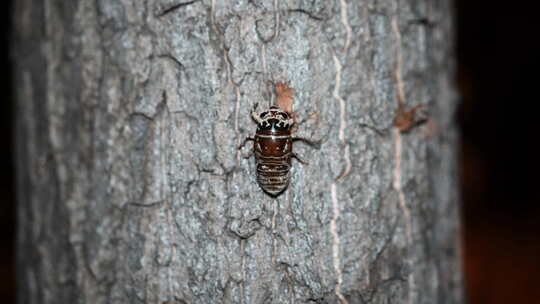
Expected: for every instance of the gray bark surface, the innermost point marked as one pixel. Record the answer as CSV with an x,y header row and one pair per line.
x,y
131,188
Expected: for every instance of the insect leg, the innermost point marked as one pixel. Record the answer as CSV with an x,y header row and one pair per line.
x,y
250,153
313,143
303,162
245,141
247,155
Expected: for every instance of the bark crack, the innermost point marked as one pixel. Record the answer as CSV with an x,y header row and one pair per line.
x,y
178,63
242,285
343,120
175,7
398,147
273,227
345,21
274,36
277,20
336,243
275,33
228,68
347,168
307,13
333,188
265,73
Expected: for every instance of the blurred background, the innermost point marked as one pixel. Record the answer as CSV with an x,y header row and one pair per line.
x,y
7,197
498,53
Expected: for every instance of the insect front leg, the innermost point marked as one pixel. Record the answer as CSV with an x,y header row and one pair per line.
x,y
250,153
255,115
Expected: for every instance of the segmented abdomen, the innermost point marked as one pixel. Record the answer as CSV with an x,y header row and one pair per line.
x,y
273,173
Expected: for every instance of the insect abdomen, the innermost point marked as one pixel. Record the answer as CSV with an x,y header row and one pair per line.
x,y
273,158
273,174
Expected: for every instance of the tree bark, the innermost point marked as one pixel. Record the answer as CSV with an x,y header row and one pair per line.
x,y
131,188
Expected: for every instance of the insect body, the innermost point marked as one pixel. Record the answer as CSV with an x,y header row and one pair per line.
x,y
273,149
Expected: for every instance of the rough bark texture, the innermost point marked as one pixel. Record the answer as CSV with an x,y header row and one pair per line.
x,y
130,185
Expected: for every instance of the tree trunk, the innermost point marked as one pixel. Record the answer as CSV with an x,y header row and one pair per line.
x,y
131,188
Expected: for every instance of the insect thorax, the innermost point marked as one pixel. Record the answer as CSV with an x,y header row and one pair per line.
x,y
274,120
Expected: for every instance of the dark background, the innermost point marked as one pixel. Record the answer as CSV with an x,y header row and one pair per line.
x,y
498,66
7,195
499,55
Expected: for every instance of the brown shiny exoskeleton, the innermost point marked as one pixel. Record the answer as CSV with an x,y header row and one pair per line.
x,y
273,145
